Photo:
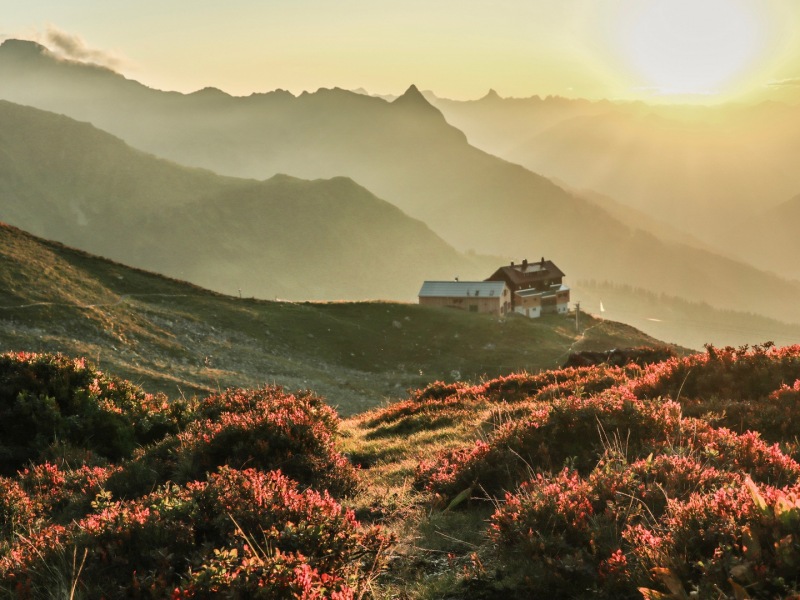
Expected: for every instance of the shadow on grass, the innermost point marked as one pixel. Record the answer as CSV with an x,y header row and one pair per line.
x,y
412,425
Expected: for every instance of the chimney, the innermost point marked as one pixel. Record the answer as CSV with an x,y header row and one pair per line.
x,y
524,263
512,263
543,261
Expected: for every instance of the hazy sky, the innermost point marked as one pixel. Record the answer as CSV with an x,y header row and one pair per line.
x,y
457,48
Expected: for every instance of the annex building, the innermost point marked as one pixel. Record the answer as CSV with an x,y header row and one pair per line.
x,y
492,297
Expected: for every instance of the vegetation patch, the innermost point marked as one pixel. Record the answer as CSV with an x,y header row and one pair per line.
x,y
50,403
676,479
231,495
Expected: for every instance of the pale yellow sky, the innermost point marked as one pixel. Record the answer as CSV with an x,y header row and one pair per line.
x,y
626,49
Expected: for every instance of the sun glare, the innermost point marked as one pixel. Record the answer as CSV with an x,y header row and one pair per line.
x,y
692,46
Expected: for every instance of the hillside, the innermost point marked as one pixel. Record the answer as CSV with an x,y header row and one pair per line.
x,y
769,238
407,154
690,324
403,151
650,157
500,125
708,171
638,219
596,482
284,237
181,339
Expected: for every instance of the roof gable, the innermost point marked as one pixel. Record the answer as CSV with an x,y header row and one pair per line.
x,y
528,272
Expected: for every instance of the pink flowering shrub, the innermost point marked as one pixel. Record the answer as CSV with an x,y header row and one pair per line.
x,y
60,493
172,518
439,390
253,574
441,404
657,500
746,374
265,429
742,536
408,416
658,522
17,512
574,430
556,383
546,530
303,538
241,533
49,398
776,417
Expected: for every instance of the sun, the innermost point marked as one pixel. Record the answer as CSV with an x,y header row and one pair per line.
x,y
686,47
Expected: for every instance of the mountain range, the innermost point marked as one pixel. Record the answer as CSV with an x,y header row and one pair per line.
x,y
404,151
286,237
718,173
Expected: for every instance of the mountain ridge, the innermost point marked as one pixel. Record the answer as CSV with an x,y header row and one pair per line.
x,y
74,183
473,200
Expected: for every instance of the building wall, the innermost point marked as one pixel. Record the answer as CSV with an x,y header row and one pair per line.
x,y
562,302
493,305
549,305
531,306
532,312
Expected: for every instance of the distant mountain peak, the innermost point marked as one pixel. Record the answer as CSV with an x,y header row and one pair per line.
x,y
210,92
411,95
413,98
23,48
491,95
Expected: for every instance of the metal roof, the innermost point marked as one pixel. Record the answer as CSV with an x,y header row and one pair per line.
x,y
462,289
551,291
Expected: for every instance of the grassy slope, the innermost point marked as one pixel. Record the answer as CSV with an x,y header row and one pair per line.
x,y
170,336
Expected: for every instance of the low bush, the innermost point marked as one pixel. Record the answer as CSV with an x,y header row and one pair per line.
x,y
556,383
670,521
735,538
17,512
626,493
730,374
265,429
48,398
231,535
59,493
573,430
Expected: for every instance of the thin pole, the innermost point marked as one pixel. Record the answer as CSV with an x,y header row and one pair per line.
x,y
577,312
